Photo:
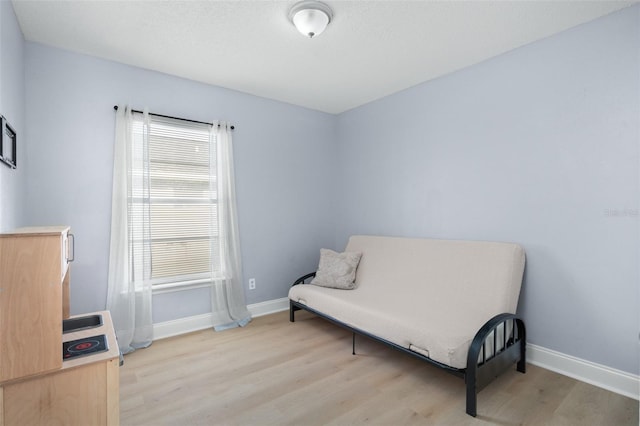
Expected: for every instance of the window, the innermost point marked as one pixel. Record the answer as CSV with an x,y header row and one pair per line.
x,y
177,200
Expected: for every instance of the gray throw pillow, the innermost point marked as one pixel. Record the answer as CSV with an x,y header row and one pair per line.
x,y
337,270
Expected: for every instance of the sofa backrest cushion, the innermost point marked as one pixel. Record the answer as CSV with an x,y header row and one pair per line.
x,y
470,274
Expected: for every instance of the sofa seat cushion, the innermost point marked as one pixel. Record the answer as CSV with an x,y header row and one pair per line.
x,y
402,320
428,295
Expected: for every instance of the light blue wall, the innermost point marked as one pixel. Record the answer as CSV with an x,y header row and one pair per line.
x,y
537,146
12,181
284,167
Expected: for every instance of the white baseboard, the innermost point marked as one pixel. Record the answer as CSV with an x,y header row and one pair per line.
x,y
598,375
586,371
163,330
269,307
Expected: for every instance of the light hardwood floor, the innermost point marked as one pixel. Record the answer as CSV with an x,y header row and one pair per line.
x,y
274,372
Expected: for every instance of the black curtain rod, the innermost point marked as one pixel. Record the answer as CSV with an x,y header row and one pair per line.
x,y
115,107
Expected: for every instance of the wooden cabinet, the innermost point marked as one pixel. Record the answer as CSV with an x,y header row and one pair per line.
x,y
85,391
34,272
36,386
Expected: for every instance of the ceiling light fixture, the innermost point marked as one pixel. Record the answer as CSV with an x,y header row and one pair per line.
x,y
310,17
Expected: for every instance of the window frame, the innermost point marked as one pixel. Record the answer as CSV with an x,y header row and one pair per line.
x,y
193,280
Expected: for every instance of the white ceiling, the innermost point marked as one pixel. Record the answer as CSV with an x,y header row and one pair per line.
x,y
370,49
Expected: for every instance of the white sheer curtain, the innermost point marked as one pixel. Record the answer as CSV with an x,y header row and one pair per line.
x,y
227,294
129,287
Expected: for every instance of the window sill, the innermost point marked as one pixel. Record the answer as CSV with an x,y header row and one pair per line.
x,y
181,286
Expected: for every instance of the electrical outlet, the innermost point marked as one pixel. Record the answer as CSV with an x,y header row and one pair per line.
x,y
252,284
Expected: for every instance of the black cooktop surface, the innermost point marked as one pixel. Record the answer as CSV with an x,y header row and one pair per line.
x,y
85,346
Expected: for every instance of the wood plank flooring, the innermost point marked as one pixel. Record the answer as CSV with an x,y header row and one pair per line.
x,y
274,372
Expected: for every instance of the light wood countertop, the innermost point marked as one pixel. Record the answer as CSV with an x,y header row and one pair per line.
x,y
106,328
36,231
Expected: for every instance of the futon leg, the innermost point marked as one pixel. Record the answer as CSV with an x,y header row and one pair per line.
x,y
353,345
471,395
521,366
292,309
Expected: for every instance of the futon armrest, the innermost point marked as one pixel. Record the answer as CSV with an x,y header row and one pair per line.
x,y
303,278
499,344
504,330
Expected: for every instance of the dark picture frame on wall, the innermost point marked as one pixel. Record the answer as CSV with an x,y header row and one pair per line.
x,y
8,145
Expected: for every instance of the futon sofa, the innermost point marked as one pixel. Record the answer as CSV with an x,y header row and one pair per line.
x,y
450,303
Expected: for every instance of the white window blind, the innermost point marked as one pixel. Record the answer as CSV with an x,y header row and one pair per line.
x,y
182,210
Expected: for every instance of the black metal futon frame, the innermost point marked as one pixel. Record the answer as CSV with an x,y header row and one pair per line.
x,y
483,365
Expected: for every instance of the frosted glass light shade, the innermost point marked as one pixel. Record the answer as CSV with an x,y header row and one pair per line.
x,y
310,17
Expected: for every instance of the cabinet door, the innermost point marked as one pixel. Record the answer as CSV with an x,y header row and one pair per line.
x,y
65,250
30,301
78,396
